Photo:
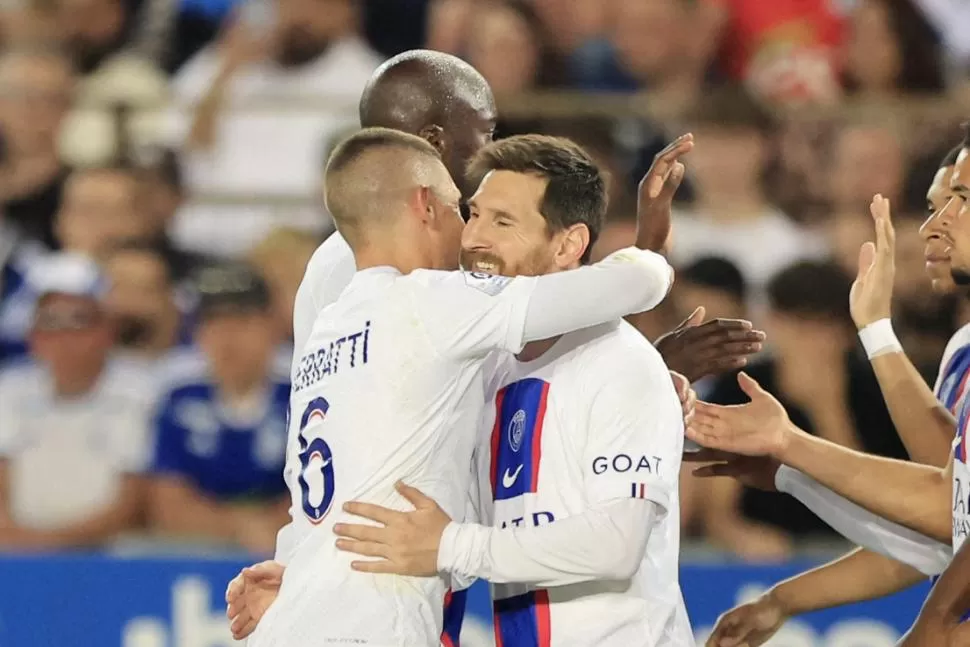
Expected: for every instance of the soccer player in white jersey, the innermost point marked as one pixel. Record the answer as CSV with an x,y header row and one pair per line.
x,y
928,499
447,102
579,455
390,384
866,574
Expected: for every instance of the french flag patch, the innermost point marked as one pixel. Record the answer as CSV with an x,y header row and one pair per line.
x,y
638,490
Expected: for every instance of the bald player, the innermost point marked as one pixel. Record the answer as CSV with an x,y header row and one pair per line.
x,y
390,385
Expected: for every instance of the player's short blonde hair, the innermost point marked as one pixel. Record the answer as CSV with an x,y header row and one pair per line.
x,y
370,171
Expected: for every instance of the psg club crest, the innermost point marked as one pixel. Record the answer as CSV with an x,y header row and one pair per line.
x,y
516,430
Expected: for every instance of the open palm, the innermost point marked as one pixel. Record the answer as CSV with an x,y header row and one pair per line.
x,y
758,428
871,295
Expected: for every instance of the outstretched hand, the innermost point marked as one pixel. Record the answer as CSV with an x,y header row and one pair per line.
x,y
696,348
872,291
656,193
406,542
748,625
759,428
250,594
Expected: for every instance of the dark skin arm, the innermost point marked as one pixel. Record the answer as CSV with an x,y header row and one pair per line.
x,y
693,349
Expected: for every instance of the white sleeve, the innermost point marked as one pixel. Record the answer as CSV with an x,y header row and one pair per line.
x,y
635,431
469,314
606,542
864,528
10,433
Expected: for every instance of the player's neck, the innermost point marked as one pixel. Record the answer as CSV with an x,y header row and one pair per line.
x,y
403,260
536,349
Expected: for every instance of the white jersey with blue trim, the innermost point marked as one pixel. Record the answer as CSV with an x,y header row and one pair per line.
x,y
952,388
593,420
388,387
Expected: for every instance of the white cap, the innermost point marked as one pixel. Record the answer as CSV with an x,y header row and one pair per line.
x,y
67,273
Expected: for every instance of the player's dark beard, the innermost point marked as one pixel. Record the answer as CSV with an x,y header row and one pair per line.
x,y
960,276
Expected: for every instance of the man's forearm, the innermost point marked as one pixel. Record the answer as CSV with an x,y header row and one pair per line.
x,y
861,575
924,425
202,134
606,543
864,528
625,282
915,496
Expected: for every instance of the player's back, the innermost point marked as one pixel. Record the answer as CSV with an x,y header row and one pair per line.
x,y
376,399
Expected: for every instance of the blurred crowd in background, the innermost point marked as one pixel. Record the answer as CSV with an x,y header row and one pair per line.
x,y
160,163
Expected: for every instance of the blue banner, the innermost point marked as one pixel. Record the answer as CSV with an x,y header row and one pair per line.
x,y
96,601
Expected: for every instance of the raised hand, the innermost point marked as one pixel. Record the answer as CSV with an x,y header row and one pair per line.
x,y
871,296
406,542
759,428
250,594
696,348
656,193
748,625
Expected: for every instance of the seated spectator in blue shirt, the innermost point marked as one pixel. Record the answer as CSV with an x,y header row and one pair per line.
x,y
221,423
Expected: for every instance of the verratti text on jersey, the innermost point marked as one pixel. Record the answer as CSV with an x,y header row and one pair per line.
x,y
345,352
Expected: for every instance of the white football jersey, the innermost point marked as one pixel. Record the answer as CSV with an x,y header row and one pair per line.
x,y
594,419
952,390
388,387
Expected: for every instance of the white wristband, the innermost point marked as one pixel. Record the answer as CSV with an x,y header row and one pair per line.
x,y
878,339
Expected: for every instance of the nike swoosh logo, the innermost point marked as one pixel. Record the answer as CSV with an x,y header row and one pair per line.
x,y
508,480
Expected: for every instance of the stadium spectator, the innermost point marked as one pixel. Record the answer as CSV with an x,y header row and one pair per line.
x,y
76,412
311,52
142,300
221,423
784,51
100,211
36,87
509,46
281,258
868,159
648,46
827,390
891,49
732,217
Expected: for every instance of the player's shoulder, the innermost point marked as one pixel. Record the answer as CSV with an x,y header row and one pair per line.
x,y
618,346
959,339
458,281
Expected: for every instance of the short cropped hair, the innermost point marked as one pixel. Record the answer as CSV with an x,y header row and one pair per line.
x,y
369,139
576,190
364,171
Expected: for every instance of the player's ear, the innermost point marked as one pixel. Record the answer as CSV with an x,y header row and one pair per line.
x,y
574,241
434,135
424,205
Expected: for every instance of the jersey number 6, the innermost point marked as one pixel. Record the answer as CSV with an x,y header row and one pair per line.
x,y
313,416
